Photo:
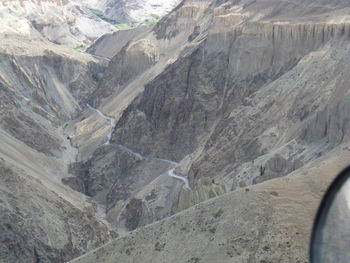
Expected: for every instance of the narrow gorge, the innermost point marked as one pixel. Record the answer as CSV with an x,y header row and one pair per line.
x,y
207,136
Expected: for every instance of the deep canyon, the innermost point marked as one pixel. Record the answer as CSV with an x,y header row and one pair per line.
x,y
207,136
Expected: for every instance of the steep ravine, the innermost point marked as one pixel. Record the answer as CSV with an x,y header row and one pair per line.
x,y
145,164
222,100
42,86
44,90
112,123
236,92
218,96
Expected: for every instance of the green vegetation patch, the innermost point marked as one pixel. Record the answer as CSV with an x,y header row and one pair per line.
x,y
100,14
124,26
274,193
80,47
242,184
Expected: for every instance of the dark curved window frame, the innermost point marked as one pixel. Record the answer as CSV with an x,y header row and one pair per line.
x,y
322,213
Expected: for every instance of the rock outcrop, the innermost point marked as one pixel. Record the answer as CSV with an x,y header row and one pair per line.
x,y
110,45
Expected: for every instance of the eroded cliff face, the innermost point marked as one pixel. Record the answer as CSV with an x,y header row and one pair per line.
x,y
237,92
122,83
224,94
42,89
219,78
42,86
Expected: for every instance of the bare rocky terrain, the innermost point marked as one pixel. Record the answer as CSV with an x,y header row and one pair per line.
x,y
136,11
38,225
110,45
180,132
64,22
234,105
42,86
267,222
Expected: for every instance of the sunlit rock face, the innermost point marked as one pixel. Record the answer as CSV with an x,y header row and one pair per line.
x,y
65,22
138,11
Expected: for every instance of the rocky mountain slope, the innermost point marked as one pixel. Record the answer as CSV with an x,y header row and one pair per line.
x,y
138,11
42,86
110,45
268,222
37,225
234,92
65,22
217,96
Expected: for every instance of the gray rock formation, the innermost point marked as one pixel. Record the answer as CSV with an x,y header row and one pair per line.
x,y
65,22
42,89
110,45
131,188
224,94
42,86
39,226
268,222
138,11
134,59
236,92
